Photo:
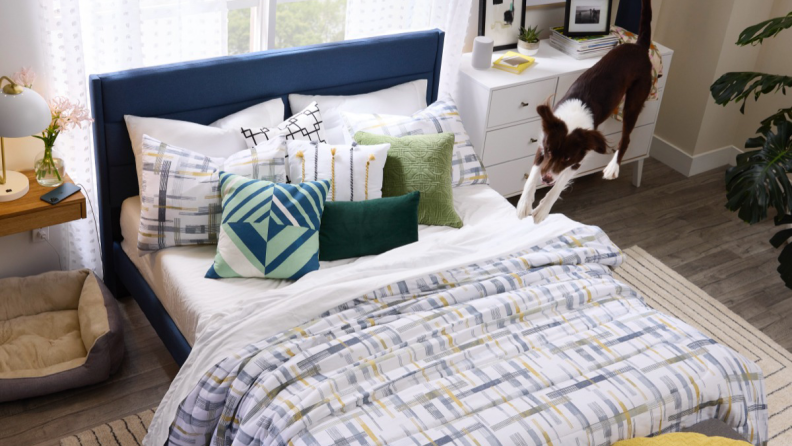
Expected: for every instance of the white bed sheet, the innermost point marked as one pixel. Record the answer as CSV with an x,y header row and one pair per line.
x,y
176,275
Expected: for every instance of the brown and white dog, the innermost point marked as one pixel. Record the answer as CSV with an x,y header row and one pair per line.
x,y
570,131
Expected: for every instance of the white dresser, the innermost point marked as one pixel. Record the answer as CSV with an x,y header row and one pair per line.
x,y
499,112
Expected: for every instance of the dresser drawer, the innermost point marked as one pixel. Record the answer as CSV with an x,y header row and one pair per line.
x,y
509,178
511,143
518,103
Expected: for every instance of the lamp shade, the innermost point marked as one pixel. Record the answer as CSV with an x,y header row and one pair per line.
x,y
23,114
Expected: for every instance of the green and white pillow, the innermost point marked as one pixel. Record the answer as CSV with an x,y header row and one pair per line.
x,y
180,200
440,117
268,230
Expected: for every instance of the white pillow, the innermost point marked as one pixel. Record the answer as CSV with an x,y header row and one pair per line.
x,y
305,125
211,141
180,198
404,99
440,117
266,114
354,171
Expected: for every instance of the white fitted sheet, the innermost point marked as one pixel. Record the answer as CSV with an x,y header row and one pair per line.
x,y
176,275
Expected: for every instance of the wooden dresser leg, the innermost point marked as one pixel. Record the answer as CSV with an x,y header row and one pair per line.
x,y
637,173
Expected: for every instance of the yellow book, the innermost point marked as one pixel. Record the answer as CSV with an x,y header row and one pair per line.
x,y
513,62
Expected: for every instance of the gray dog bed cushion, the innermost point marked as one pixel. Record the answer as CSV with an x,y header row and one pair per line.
x,y
58,330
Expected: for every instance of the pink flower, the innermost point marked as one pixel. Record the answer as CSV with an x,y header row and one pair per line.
x,y
59,105
67,115
25,77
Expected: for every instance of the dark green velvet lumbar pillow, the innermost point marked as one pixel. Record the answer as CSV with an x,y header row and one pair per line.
x,y
363,228
420,163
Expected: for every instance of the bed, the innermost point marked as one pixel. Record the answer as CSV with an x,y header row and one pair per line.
x,y
228,85
501,332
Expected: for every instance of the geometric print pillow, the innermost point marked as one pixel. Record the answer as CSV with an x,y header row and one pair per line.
x,y
268,230
306,125
440,117
180,196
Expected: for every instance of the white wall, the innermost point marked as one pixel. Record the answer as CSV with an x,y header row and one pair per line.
x,y
20,47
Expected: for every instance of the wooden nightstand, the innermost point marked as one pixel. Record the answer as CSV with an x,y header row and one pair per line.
x,y
29,212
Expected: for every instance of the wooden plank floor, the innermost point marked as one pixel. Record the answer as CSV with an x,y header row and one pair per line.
x,y
140,384
679,220
683,223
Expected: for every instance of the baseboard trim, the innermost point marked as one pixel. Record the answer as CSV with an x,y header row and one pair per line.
x,y
689,165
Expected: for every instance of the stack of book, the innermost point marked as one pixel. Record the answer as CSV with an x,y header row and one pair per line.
x,y
582,47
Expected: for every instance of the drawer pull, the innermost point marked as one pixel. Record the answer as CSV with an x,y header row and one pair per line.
x,y
534,140
525,176
524,104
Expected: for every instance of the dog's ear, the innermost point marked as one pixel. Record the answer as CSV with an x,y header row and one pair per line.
x,y
550,123
591,140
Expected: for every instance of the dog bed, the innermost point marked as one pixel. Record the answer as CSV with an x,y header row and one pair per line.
x,y
58,330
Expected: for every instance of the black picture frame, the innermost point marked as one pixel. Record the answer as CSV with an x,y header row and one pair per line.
x,y
482,23
568,14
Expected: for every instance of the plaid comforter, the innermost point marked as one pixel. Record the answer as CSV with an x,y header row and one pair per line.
x,y
542,347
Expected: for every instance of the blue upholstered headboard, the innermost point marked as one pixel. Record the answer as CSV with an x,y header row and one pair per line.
x,y
207,90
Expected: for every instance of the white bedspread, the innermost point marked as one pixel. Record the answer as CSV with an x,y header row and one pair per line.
x,y
177,274
491,229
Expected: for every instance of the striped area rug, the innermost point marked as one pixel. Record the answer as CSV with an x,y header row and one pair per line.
x,y
664,290
127,431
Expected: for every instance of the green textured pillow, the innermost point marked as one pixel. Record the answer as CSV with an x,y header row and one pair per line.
x,y
420,163
363,228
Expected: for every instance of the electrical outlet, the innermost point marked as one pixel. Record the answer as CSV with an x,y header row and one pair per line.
x,y
40,235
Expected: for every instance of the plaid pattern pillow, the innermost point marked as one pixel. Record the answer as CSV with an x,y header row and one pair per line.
x,y
180,197
440,117
306,125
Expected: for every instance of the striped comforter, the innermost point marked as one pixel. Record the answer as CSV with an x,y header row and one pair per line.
x,y
541,347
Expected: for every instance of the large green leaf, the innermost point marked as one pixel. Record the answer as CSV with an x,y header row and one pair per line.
x,y
738,86
769,28
759,180
783,114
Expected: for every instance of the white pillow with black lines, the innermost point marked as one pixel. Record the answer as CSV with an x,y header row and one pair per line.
x,y
355,171
306,125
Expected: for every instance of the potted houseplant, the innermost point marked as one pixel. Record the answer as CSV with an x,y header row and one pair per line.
x,y
760,180
528,43
66,115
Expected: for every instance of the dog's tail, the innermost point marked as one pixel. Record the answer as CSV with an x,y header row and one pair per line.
x,y
645,30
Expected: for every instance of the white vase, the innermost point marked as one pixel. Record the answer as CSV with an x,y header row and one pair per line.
x,y
527,48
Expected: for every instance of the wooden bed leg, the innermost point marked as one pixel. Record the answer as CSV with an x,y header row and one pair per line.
x,y
637,173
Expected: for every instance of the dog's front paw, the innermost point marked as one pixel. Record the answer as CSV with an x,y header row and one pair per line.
x,y
611,171
541,212
523,208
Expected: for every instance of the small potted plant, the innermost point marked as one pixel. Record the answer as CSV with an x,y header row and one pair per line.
x,y
529,40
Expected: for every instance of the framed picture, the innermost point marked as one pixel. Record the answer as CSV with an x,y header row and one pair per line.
x,y
501,20
587,17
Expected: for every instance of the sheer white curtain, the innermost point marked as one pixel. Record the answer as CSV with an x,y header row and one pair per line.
x,y
367,18
82,37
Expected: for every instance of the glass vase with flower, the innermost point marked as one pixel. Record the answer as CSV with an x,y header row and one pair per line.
x,y
66,115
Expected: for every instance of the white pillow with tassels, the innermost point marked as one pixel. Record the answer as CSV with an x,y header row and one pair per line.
x,y
354,171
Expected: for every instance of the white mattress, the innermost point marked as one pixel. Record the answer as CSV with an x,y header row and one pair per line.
x,y
176,275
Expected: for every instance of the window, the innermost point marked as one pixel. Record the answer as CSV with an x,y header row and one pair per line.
x,y
293,23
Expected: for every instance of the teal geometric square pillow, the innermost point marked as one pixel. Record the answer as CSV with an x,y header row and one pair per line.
x,y
268,230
